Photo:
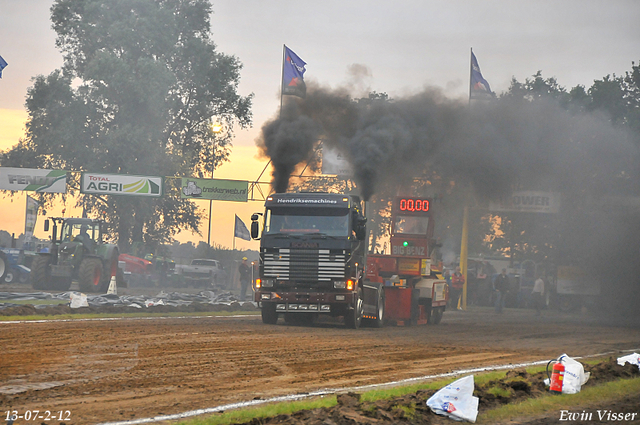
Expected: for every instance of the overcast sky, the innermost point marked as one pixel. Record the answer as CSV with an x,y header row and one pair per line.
x,y
404,45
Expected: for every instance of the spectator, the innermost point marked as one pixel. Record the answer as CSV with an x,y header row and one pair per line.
x,y
245,278
457,284
501,286
537,295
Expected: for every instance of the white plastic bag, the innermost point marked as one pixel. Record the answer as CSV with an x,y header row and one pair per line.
x,y
631,358
456,400
574,375
78,300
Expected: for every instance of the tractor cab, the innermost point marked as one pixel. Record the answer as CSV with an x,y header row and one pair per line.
x,y
82,230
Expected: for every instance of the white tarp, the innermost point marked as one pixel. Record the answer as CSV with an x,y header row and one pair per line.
x,y
456,400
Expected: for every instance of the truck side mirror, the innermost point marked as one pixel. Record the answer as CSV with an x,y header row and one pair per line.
x,y
255,226
46,225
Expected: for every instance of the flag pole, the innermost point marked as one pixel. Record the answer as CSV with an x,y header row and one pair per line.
x,y
470,74
284,57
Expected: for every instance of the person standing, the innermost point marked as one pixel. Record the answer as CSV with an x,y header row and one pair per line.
x,y
501,286
457,284
537,295
245,278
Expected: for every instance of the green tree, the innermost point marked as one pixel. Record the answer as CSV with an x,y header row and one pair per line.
x,y
141,84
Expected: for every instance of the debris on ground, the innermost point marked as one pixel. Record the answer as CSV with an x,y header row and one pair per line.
x,y
163,302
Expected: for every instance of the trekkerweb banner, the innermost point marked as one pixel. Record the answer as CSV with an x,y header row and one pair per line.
x,y
215,189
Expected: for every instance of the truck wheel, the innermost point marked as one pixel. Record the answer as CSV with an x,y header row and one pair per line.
x,y
379,322
353,318
435,316
90,275
269,314
40,272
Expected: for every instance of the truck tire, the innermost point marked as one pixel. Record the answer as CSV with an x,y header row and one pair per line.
x,y
90,275
40,278
269,314
379,322
353,318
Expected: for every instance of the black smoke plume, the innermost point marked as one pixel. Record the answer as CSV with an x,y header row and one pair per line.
x,y
489,146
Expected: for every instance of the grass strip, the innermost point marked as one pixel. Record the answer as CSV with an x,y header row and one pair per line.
x,y
141,314
530,408
266,411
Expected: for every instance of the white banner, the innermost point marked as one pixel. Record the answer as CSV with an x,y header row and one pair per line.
x,y
121,184
528,201
33,179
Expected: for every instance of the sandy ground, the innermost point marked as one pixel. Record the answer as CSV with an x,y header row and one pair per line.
x,y
105,371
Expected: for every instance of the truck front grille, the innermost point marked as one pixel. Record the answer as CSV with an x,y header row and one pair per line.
x,y
304,265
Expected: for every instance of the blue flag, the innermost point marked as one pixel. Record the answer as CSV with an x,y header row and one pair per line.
x,y
478,84
292,74
3,65
241,230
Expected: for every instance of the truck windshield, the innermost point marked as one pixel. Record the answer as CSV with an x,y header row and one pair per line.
x,y
330,222
411,225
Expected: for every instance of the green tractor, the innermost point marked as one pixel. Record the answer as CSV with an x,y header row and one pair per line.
x,y
78,253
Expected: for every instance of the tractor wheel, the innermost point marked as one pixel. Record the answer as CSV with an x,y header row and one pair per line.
x,y
90,275
120,282
23,278
353,318
269,314
40,278
4,266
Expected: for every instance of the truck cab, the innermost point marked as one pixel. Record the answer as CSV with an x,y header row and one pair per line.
x,y
312,256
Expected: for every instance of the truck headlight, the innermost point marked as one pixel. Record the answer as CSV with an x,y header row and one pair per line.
x,y
339,284
267,283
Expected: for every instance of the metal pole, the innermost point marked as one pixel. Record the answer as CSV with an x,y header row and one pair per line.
x,y
211,200
463,255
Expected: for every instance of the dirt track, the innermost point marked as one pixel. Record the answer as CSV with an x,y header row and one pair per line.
x,y
134,368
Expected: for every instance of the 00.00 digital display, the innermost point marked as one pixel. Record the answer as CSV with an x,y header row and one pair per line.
x,y
407,204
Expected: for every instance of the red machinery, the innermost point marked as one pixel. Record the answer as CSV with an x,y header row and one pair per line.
x,y
413,292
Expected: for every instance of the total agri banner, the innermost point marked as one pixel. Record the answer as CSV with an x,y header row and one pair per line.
x,y
33,179
121,184
215,189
